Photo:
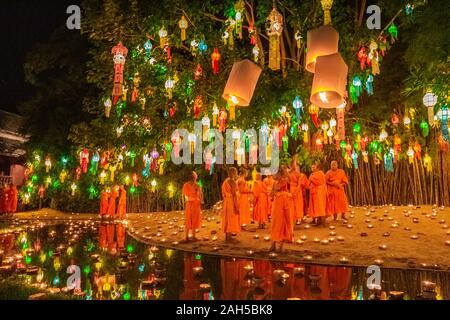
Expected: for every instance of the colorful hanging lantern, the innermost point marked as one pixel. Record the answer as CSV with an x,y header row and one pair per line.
x,y
48,163
329,82
314,112
410,154
305,129
215,112
215,57
255,52
388,164
228,37
355,160
406,121
357,83
169,87
73,187
425,128
162,37
102,177
183,25
429,101
395,120
362,57
393,31
107,105
191,140
198,72
205,127
148,49
239,17
222,120
202,47
198,106
383,135
112,170
356,128
443,116
153,184
427,163
119,53
340,114
369,85
274,32
297,104
241,83
84,160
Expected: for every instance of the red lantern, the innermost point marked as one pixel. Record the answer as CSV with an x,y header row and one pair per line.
x,y
84,160
362,57
215,57
198,72
119,52
198,105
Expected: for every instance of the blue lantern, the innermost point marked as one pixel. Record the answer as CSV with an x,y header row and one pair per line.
x,y
297,104
202,47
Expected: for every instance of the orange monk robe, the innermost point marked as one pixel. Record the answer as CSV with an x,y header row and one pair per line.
x,y
282,227
340,283
192,193
336,198
110,232
112,203
191,283
102,236
3,198
120,234
261,207
244,202
298,285
321,290
230,216
122,206
104,197
13,198
233,273
6,199
298,183
269,182
318,195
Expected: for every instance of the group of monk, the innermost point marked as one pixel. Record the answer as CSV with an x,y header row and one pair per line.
x,y
8,199
281,198
108,206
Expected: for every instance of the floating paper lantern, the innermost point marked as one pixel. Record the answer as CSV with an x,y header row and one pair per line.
x,y
330,80
241,83
322,41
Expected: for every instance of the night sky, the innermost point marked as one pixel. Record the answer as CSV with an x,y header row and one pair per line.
x,y
23,24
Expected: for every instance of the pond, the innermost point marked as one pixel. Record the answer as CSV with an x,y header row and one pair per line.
x,y
112,265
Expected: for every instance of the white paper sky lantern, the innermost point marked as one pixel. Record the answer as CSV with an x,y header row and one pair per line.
x,y
242,83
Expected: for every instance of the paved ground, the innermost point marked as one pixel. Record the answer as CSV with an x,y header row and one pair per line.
x,y
397,237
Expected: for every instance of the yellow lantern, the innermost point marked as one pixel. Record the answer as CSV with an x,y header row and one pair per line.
x,y
162,37
241,83
330,80
427,163
274,33
183,24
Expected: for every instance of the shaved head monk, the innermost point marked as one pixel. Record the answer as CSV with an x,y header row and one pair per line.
x,y
194,197
318,194
337,202
230,209
261,206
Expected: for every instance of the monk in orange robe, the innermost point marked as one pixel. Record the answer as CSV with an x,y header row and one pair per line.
x,y
3,199
104,197
112,202
122,206
244,202
261,205
12,198
102,236
340,283
230,206
336,198
318,194
298,183
191,282
193,211
120,235
282,227
269,182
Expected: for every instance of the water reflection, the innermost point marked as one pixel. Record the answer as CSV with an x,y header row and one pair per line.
x,y
115,266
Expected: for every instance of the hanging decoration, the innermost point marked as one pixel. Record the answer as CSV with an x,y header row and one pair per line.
x,y
314,112
198,106
84,160
148,49
215,57
340,113
427,163
443,115
274,31
119,53
369,85
297,104
425,128
393,31
239,17
429,100
183,25
107,105
169,87
162,37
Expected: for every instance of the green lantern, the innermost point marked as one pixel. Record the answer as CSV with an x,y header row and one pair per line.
x,y
356,128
